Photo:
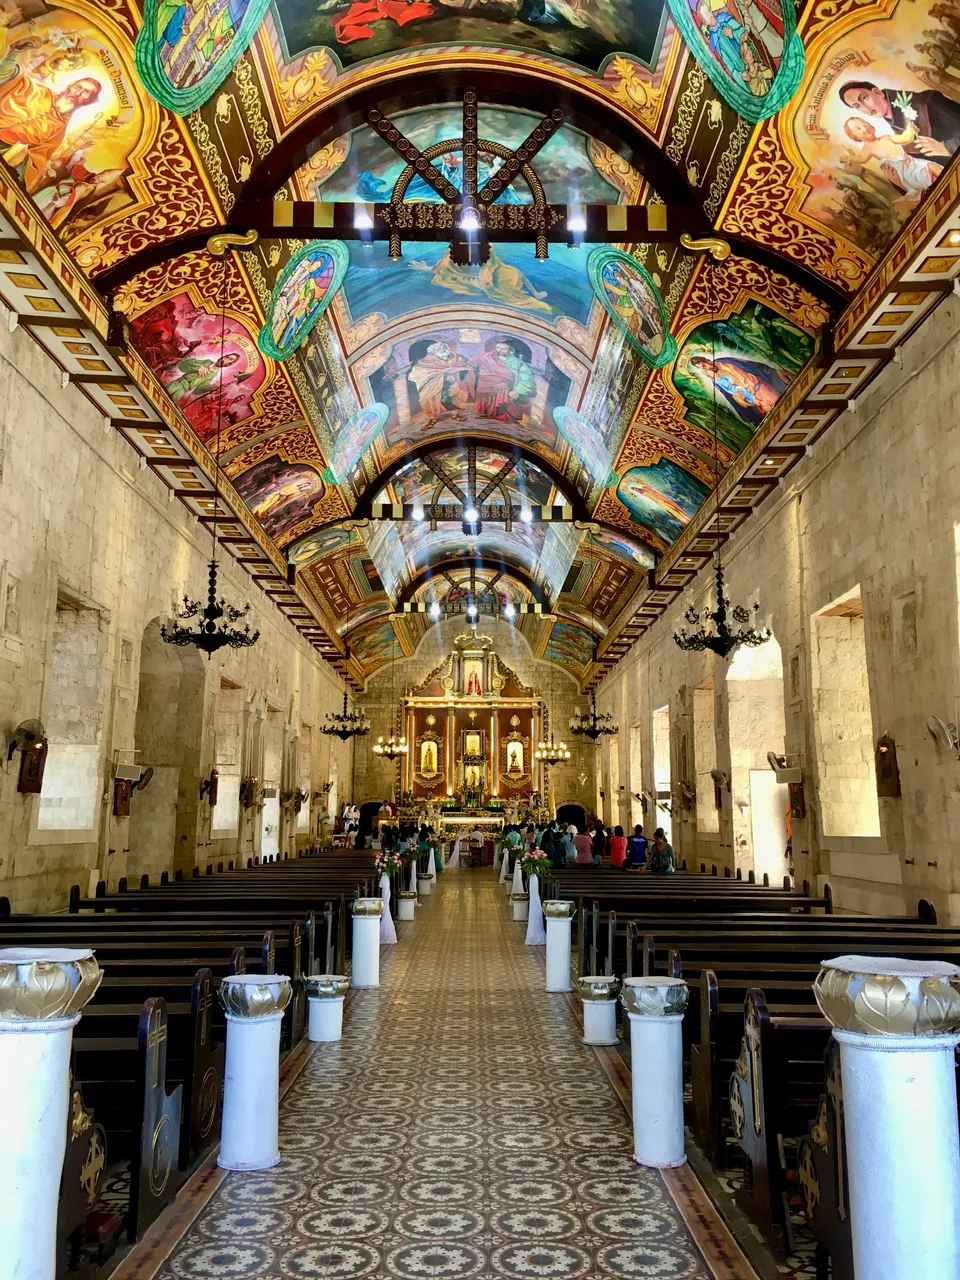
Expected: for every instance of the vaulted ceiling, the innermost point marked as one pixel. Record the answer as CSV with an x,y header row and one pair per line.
x,y
713,183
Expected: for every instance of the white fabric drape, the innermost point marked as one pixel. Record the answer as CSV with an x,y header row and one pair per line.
x,y
454,860
504,864
496,858
388,932
536,929
413,874
517,874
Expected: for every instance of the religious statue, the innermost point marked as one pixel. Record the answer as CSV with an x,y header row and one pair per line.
x,y
515,758
428,758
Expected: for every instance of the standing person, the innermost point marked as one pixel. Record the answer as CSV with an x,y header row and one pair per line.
x,y
584,846
637,846
660,857
618,849
569,848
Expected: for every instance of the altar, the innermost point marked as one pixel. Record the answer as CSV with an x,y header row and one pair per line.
x,y
472,726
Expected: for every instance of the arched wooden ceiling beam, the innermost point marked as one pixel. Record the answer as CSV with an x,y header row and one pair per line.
x,y
479,560
399,91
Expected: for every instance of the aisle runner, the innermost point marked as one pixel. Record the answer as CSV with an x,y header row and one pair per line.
x,y
460,1129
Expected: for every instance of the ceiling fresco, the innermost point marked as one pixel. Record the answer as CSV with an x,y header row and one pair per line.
x,y
622,377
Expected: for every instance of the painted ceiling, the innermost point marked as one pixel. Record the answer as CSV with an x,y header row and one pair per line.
x,y
623,380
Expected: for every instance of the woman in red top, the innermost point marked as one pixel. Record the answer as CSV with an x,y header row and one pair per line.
x,y
618,847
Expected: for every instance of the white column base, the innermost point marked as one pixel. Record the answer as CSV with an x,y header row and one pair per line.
x,y
520,908
656,1058
425,885
325,1018
406,908
903,1154
600,1022
35,1089
559,933
365,964
249,1133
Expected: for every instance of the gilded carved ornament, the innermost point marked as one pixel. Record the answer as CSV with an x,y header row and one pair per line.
x,y
367,906
558,910
38,984
327,986
255,995
882,996
598,988
655,997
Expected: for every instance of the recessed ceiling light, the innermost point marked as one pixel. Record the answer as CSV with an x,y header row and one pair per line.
x,y
576,222
434,610
469,221
418,513
526,514
471,515
509,611
472,610
361,218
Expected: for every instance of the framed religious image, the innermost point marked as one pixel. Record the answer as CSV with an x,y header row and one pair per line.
x,y
428,760
473,677
473,742
515,759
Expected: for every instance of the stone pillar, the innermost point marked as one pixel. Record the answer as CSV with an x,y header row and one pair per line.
x,y
249,1132
655,1007
406,905
599,999
42,990
325,993
559,928
365,965
897,1023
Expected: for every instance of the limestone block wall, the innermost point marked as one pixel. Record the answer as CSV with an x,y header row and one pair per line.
x,y
875,505
94,552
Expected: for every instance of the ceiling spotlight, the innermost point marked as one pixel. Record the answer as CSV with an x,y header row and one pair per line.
x,y
434,610
526,514
576,222
469,220
471,610
418,513
508,610
362,220
471,515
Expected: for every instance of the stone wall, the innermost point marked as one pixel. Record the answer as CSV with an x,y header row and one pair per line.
x,y
875,505
94,552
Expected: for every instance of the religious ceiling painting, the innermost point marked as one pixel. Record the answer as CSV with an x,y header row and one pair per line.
x,y
418,483
208,364
363,166
187,48
749,49
571,646
447,378
320,542
306,287
280,495
587,444
619,545
387,552
373,645
732,372
588,35
74,126
631,298
662,497
354,439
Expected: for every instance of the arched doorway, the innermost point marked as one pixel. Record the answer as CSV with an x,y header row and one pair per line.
x,y
167,737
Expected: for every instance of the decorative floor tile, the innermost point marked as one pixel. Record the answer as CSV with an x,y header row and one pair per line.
x,y
459,1131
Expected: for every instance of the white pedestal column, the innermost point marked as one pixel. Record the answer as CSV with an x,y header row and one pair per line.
x,y
249,1132
425,885
559,926
655,1007
517,874
406,905
412,885
521,903
325,995
365,962
42,991
897,1023
599,998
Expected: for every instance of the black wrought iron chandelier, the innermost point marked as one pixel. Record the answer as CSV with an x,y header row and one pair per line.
x,y
592,724
346,724
216,620
722,639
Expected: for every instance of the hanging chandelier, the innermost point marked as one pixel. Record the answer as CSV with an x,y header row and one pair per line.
x,y
550,752
346,724
592,724
722,639
393,748
215,627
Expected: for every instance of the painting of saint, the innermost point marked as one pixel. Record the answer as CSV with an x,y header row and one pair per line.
x,y
879,121
373,645
472,744
569,645
305,289
319,543
444,381
280,494
587,444
506,386
749,49
70,115
353,441
589,34
663,497
502,283
630,297
732,372
211,369
187,48
621,547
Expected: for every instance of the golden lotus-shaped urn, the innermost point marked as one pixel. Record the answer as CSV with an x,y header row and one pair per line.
x,y
367,906
598,987
654,997
327,986
554,909
255,995
40,983
520,897
884,996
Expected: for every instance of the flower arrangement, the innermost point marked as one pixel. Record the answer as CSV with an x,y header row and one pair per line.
x,y
388,862
535,863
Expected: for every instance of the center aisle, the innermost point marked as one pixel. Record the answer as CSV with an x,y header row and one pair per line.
x,y
459,1129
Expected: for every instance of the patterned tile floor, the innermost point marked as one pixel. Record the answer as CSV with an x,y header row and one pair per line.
x,y
459,1129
